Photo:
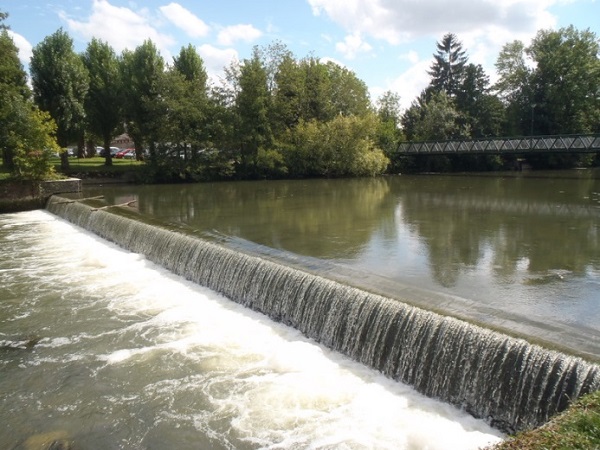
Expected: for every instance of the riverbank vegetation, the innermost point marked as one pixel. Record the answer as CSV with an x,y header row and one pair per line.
x,y
576,428
275,115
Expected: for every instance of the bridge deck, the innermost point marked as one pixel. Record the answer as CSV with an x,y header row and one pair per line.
x,y
580,143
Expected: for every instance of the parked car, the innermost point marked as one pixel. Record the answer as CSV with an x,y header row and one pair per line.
x,y
122,154
113,151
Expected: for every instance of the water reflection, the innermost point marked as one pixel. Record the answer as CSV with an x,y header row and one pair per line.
x,y
547,227
320,218
514,248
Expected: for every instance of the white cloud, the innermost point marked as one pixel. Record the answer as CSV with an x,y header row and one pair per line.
x,y
327,59
483,27
216,59
121,27
412,57
410,83
24,47
352,45
369,17
396,21
243,32
185,19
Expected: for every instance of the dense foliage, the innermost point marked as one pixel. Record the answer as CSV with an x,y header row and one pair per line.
x,y
27,139
102,102
275,115
60,84
550,87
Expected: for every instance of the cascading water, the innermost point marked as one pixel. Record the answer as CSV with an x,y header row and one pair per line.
x,y
509,382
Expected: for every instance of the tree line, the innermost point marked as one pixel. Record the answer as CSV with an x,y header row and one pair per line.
x,y
275,115
550,87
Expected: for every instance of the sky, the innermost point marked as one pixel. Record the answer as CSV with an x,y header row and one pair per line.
x,y
389,44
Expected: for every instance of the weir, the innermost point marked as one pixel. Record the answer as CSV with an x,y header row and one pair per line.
x,y
509,382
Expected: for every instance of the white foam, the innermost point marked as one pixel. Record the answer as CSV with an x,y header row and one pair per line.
x,y
275,387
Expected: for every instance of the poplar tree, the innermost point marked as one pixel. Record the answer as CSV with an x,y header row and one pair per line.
x,y
103,102
60,84
142,72
252,105
186,95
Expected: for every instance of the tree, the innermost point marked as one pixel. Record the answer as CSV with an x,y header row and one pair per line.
x,y
316,93
566,81
551,87
447,69
36,145
103,101
388,107
191,119
272,57
440,120
413,115
287,95
185,95
433,116
27,137
349,96
514,88
60,83
142,71
252,106
482,111
343,146
388,130
14,94
189,64
3,17
513,71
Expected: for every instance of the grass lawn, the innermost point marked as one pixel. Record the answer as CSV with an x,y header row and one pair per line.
x,y
4,175
576,428
89,166
96,165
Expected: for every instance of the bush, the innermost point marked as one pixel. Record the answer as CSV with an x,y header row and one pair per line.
x,y
35,147
270,164
35,165
343,146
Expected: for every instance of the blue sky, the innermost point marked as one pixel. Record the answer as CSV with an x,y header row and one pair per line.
x,y
388,43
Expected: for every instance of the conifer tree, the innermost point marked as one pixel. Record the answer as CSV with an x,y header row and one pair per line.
x,y
447,70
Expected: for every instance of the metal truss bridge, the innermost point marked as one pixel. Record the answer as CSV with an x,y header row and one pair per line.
x,y
575,143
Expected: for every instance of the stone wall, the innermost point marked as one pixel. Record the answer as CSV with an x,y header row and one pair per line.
x,y
26,195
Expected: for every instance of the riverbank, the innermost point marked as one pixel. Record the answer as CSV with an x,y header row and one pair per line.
x,y
17,195
576,428
22,195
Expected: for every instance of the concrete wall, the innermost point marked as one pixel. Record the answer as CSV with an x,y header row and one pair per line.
x,y
26,195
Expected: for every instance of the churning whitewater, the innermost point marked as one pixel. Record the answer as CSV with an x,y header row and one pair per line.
x,y
511,383
100,347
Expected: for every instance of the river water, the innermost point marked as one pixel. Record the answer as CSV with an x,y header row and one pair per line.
x,y
516,252
102,349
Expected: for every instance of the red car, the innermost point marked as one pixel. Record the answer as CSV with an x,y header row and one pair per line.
x,y
127,153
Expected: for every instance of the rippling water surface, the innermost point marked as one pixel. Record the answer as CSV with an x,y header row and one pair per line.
x,y
515,251
102,348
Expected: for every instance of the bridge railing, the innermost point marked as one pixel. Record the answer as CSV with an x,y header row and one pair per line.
x,y
576,143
